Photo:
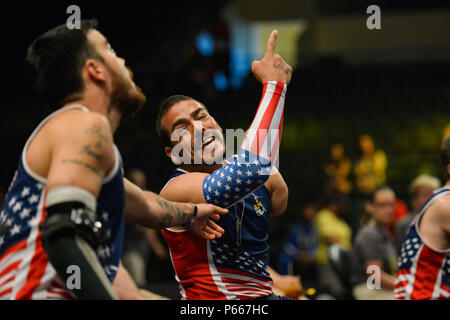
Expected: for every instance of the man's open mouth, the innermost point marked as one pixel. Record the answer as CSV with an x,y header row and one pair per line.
x,y
208,140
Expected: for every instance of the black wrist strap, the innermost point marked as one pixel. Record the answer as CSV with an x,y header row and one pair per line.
x,y
195,211
188,225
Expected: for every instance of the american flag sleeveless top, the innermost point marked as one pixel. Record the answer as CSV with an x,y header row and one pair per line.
x,y
423,272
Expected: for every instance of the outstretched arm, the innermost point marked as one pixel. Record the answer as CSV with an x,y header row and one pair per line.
x,y
152,211
253,164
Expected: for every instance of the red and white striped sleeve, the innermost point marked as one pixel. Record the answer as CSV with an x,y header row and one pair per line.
x,y
264,135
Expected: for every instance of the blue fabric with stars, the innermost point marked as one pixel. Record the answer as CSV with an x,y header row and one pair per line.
x,y
243,174
19,214
245,249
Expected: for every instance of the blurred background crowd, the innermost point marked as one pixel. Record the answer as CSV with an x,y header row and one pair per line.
x,y
365,113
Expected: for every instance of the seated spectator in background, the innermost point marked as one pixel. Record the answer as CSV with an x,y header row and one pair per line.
x,y
139,242
300,248
370,172
446,131
338,170
332,228
400,212
370,169
421,189
374,246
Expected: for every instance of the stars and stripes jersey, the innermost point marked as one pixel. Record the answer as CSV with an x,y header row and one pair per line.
x,y
423,272
25,271
232,267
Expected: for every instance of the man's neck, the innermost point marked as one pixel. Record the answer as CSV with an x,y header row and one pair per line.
x,y
100,104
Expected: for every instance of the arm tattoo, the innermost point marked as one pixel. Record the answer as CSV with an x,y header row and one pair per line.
x,y
173,213
95,150
96,130
88,150
86,165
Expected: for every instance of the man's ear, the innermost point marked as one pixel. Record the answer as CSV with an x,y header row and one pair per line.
x,y
369,207
95,70
168,151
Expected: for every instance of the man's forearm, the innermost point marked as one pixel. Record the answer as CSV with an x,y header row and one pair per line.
x,y
124,285
64,250
387,281
149,210
163,213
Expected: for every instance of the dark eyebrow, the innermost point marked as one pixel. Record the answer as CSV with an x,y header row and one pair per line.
x,y
178,122
194,114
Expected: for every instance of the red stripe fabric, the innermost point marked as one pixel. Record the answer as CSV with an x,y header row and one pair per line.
x,y
265,123
17,247
428,266
37,266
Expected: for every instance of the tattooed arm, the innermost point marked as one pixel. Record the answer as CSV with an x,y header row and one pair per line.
x,y
82,151
147,209
152,211
79,150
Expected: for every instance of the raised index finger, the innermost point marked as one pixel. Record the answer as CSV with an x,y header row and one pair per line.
x,y
271,43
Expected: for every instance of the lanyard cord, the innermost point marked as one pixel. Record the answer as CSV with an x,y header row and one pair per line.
x,y
239,227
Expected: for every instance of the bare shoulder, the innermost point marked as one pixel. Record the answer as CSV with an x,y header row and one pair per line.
x,y
77,120
87,132
185,188
73,134
435,224
80,143
441,207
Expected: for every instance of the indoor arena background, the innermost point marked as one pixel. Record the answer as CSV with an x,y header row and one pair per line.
x,y
391,83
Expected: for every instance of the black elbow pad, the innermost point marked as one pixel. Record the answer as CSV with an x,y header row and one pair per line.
x,y
72,217
72,209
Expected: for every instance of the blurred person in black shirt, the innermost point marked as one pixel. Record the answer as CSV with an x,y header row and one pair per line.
x,y
374,248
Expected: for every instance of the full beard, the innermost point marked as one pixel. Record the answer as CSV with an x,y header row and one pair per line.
x,y
127,97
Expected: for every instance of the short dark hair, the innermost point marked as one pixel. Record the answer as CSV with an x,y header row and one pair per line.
x,y
371,196
445,154
55,59
164,107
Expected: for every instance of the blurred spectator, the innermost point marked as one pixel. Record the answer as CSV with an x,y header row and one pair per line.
x,y
446,131
139,242
374,246
338,170
370,172
332,228
400,212
300,248
370,169
421,189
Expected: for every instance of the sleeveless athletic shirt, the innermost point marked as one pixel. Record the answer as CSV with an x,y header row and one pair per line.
x,y
424,272
25,272
232,267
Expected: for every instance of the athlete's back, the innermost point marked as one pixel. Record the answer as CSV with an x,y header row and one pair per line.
x,y
25,271
424,271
